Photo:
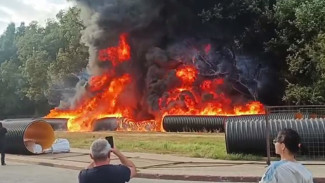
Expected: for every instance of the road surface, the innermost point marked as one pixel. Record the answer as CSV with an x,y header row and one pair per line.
x,y
27,173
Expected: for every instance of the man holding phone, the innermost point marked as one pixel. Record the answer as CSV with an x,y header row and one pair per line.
x,y
101,171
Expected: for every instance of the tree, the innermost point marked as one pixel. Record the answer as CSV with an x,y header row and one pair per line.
x,y
242,20
30,41
71,59
299,37
52,40
12,101
7,46
35,59
247,26
34,71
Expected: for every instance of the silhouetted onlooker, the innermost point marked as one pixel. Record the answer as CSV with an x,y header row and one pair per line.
x,y
287,170
101,171
3,132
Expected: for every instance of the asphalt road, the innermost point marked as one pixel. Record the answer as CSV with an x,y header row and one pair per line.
x,y
26,173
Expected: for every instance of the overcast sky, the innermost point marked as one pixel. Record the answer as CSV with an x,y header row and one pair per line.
x,y
18,11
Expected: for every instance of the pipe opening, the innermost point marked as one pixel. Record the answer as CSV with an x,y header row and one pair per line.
x,y
38,132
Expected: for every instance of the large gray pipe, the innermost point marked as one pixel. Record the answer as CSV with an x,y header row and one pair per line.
x,y
106,124
58,124
22,135
188,123
248,136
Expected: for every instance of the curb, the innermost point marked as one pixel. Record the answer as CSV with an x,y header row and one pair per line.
x,y
199,178
165,176
46,164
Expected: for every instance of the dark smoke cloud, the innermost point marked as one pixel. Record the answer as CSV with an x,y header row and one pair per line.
x,y
163,35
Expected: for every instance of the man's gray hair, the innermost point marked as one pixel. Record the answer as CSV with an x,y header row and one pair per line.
x,y
100,149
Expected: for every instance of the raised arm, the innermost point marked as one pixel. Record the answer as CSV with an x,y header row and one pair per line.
x,y
125,161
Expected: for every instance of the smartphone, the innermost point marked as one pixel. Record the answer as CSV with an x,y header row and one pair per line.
x,y
110,140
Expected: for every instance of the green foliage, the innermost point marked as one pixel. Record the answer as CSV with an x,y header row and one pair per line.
x,y
299,40
240,20
303,94
7,46
202,145
67,63
30,41
287,33
34,71
71,58
34,58
234,10
10,81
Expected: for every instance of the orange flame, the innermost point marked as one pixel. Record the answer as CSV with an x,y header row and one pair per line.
x,y
187,74
96,107
187,100
118,54
131,125
96,83
253,107
193,96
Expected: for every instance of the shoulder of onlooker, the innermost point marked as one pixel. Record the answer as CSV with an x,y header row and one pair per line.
x,y
83,171
271,171
121,167
278,164
274,166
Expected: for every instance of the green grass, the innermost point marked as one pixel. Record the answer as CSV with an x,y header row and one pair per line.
x,y
202,145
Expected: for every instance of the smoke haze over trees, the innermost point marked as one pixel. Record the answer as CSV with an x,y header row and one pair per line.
x,y
278,48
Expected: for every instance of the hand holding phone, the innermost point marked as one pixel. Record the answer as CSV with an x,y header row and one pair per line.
x,y
110,140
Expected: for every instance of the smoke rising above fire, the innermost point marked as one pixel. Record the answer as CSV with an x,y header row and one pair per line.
x,y
153,58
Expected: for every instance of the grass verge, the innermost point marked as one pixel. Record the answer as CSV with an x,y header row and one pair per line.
x,y
202,145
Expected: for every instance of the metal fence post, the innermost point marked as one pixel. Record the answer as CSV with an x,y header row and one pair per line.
x,y
267,133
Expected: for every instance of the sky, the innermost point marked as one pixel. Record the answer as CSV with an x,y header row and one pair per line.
x,y
18,11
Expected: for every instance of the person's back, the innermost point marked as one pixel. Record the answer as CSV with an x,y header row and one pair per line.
x,y
3,132
105,174
287,172
101,171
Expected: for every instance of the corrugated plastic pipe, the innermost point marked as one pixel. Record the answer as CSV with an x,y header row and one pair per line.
x,y
58,124
106,124
22,135
190,123
248,135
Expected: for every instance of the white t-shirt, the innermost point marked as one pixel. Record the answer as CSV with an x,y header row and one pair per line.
x,y
287,172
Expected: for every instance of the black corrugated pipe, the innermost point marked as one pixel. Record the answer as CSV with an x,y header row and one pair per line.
x,y
58,124
262,116
106,124
27,120
187,123
248,136
22,135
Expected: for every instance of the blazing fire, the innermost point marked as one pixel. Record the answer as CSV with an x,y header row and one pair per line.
x,y
193,96
118,54
203,100
104,104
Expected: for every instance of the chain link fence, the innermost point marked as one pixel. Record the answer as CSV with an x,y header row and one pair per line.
x,y
308,121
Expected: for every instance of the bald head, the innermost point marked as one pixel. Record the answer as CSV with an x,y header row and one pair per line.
x,y
100,149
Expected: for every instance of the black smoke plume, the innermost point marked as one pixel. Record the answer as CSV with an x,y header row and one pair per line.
x,y
165,34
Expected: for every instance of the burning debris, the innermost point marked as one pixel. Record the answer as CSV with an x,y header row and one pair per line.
x,y
143,66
